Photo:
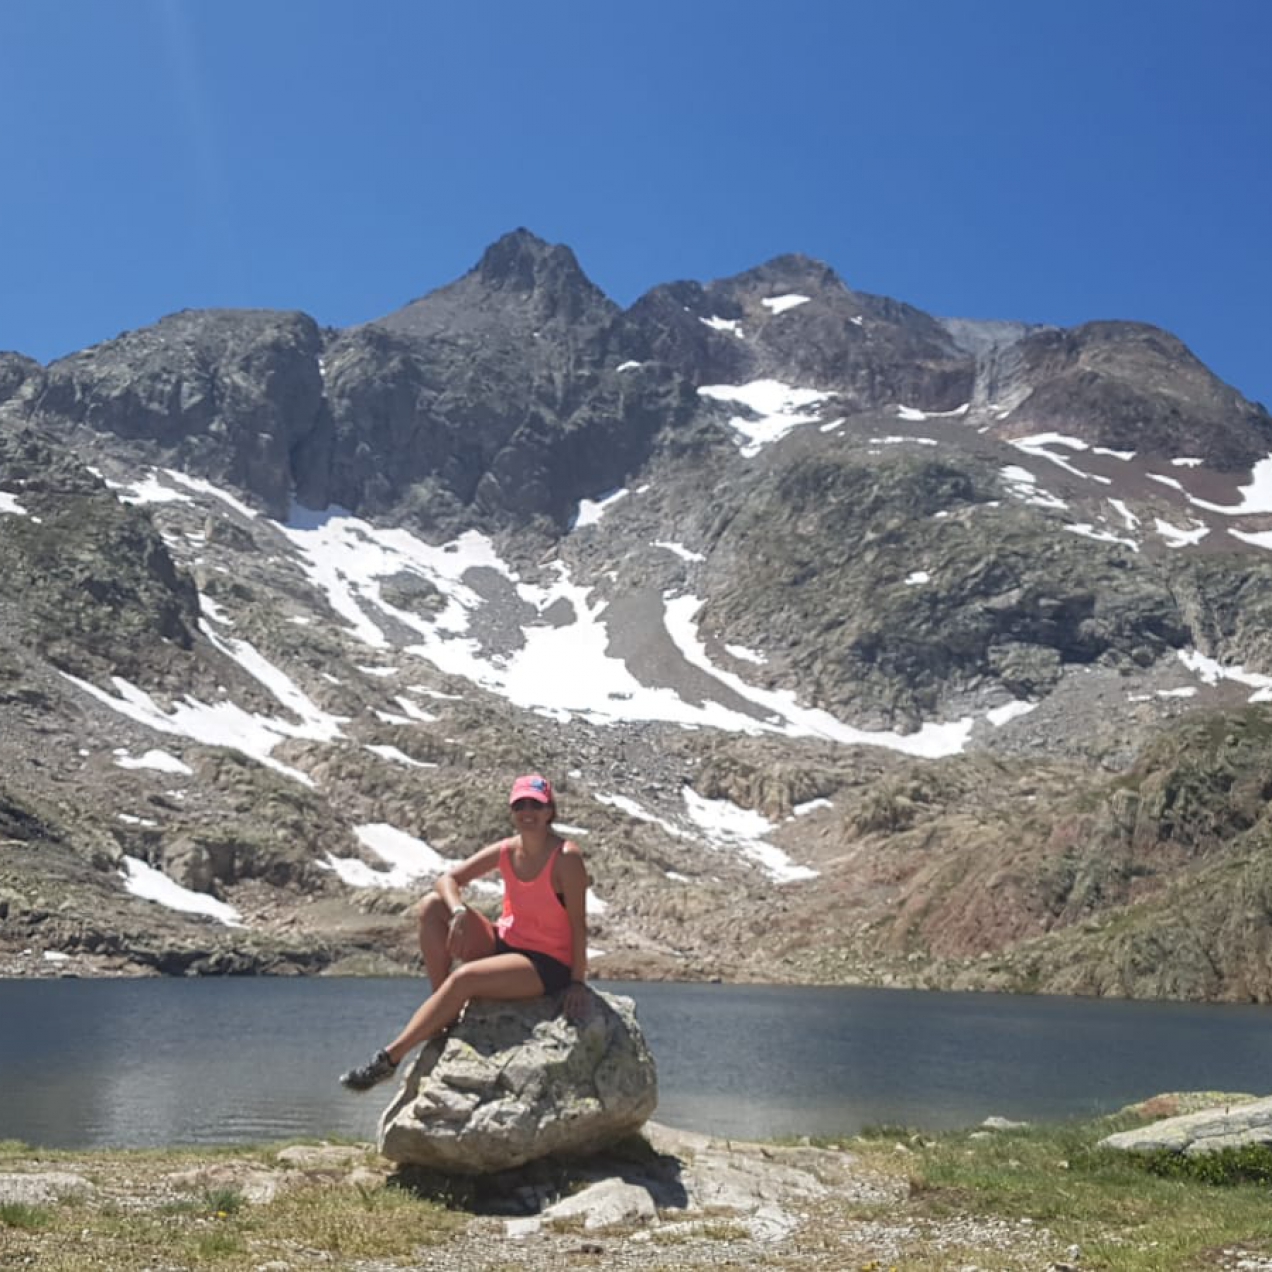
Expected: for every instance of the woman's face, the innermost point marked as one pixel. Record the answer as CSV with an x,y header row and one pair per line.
x,y
531,813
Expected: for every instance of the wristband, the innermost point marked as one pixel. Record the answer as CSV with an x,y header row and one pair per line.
x,y
458,910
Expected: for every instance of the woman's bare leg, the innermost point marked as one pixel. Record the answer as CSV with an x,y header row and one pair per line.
x,y
434,932
440,945
502,976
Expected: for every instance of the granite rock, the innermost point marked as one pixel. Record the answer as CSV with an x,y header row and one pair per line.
x,y
516,1081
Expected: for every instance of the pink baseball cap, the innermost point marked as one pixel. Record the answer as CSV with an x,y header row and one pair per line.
x,y
532,786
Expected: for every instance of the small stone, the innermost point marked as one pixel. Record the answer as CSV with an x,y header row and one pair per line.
x,y
519,1229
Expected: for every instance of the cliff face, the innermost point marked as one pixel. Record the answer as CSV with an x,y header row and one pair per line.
x,y
923,649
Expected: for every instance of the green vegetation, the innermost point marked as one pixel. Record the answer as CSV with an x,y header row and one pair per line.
x,y
149,1209
19,1214
1125,1212
1022,1198
1250,1164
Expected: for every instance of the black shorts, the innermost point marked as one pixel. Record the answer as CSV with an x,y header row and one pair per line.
x,y
552,972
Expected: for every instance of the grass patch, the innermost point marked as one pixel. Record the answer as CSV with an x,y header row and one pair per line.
x,y
214,1203
1250,1164
217,1246
142,1215
21,1214
359,1223
223,1202
886,1131
1126,1213
1013,1200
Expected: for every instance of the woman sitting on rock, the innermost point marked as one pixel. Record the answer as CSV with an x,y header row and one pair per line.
x,y
539,945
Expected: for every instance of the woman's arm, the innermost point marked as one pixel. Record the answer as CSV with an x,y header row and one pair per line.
x,y
449,885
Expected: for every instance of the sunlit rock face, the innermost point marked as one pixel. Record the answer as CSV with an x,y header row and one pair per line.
x,y
916,647
1226,1124
1132,387
514,1082
232,395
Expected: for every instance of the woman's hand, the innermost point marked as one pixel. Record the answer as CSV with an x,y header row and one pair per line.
x,y
455,934
470,935
577,1001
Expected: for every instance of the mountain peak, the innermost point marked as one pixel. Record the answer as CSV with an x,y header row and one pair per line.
x,y
520,277
794,267
520,261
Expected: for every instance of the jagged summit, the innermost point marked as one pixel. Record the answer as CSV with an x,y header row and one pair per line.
x,y
791,272
520,284
521,261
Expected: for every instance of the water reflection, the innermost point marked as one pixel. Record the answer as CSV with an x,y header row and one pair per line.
x,y
224,1061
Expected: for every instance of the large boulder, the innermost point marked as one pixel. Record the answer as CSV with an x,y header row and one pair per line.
x,y
513,1082
1237,1123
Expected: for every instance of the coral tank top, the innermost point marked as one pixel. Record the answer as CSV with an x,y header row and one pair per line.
x,y
533,918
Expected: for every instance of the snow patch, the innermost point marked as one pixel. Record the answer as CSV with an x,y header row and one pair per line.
x,y
149,490
1023,485
408,860
202,487
776,409
592,510
1211,671
998,716
680,550
725,825
144,881
1132,521
914,414
224,723
931,740
624,804
1178,538
780,304
1038,445
1256,495
398,756
159,760
1088,531
724,324
809,806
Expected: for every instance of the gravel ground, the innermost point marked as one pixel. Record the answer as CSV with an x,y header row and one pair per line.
x,y
741,1205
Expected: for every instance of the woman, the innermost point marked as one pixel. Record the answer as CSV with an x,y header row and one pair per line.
x,y
539,945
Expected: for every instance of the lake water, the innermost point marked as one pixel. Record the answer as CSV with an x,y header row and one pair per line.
x,y
154,1062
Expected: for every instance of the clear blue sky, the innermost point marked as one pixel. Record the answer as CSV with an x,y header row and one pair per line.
x,y
981,158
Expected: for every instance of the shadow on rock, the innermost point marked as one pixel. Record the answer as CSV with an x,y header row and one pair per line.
x,y
532,1188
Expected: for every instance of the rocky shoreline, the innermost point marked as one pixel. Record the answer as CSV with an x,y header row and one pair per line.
x,y
1003,1196
683,1200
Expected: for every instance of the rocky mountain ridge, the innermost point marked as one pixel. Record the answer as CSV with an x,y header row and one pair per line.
x,y
922,649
